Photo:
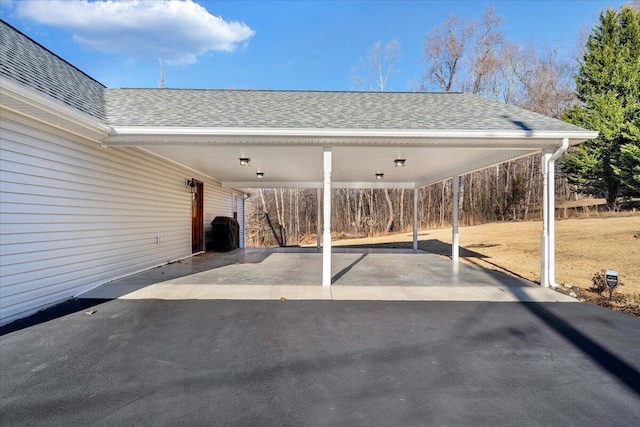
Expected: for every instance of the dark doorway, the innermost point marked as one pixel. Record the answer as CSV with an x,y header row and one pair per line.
x,y
197,218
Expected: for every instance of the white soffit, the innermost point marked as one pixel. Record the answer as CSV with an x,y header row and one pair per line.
x,y
352,166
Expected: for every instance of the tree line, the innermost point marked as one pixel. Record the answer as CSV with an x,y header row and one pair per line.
x,y
289,216
601,93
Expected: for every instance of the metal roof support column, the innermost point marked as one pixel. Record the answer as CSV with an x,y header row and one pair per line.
x,y
415,219
326,237
319,216
455,242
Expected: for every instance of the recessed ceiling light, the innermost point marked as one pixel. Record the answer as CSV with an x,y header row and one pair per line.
x,y
399,162
379,175
244,161
260,175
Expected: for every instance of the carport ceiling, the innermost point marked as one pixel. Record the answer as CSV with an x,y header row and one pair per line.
x,y
353,166
284,133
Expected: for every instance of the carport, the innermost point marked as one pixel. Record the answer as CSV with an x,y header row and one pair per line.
x,y
331,140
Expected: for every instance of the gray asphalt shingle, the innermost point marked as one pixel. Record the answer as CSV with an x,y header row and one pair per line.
x,y
323,110
26,62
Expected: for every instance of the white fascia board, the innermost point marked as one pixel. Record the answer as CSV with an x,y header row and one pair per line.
x,y
475,165
48,105
142,135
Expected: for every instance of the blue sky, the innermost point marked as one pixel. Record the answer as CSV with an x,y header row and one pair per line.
x,y
304,45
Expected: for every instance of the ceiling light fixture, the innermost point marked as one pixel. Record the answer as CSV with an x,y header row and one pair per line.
x,y
379,175
399,162
244,161
259,175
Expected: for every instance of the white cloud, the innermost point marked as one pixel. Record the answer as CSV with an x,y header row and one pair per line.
x,y
178,31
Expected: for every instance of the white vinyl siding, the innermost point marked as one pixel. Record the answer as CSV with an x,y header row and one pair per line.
x,y
74,215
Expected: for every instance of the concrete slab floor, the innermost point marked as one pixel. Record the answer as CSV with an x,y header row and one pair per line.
x,y
295,273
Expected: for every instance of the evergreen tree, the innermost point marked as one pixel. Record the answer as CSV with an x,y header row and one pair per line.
x,y
627,165
608,88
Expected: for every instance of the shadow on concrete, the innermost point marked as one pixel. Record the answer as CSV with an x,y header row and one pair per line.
x,y
439,247
59,310
617,367
485,259
345,270
198,264
433,246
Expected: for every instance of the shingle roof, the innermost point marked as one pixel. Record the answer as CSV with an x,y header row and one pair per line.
x,y
27,62
305,109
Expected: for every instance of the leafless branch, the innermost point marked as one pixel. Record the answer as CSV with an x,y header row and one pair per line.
x,y
374,70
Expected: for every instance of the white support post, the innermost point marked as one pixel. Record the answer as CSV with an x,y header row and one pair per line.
x,y
319,216
326,237
544,241
415,219
551,204
455,241
244,222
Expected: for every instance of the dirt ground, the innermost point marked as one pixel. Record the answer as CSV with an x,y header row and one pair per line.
x,y
583,247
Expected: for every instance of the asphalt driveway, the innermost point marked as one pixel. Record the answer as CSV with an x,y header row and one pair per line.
x,y
223,362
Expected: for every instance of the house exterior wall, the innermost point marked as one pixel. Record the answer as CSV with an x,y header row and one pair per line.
x,y
75,215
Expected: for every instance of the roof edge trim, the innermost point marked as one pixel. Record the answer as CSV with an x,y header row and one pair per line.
x,y
137,131
51,106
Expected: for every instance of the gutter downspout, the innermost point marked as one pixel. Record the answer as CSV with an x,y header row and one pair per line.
x,y
548,275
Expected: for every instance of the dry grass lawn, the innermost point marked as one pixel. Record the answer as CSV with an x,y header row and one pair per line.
x,y
583,247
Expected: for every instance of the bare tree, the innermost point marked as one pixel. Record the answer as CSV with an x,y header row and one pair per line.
x,y
506,86
545,80
374,70
485,52
444,49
